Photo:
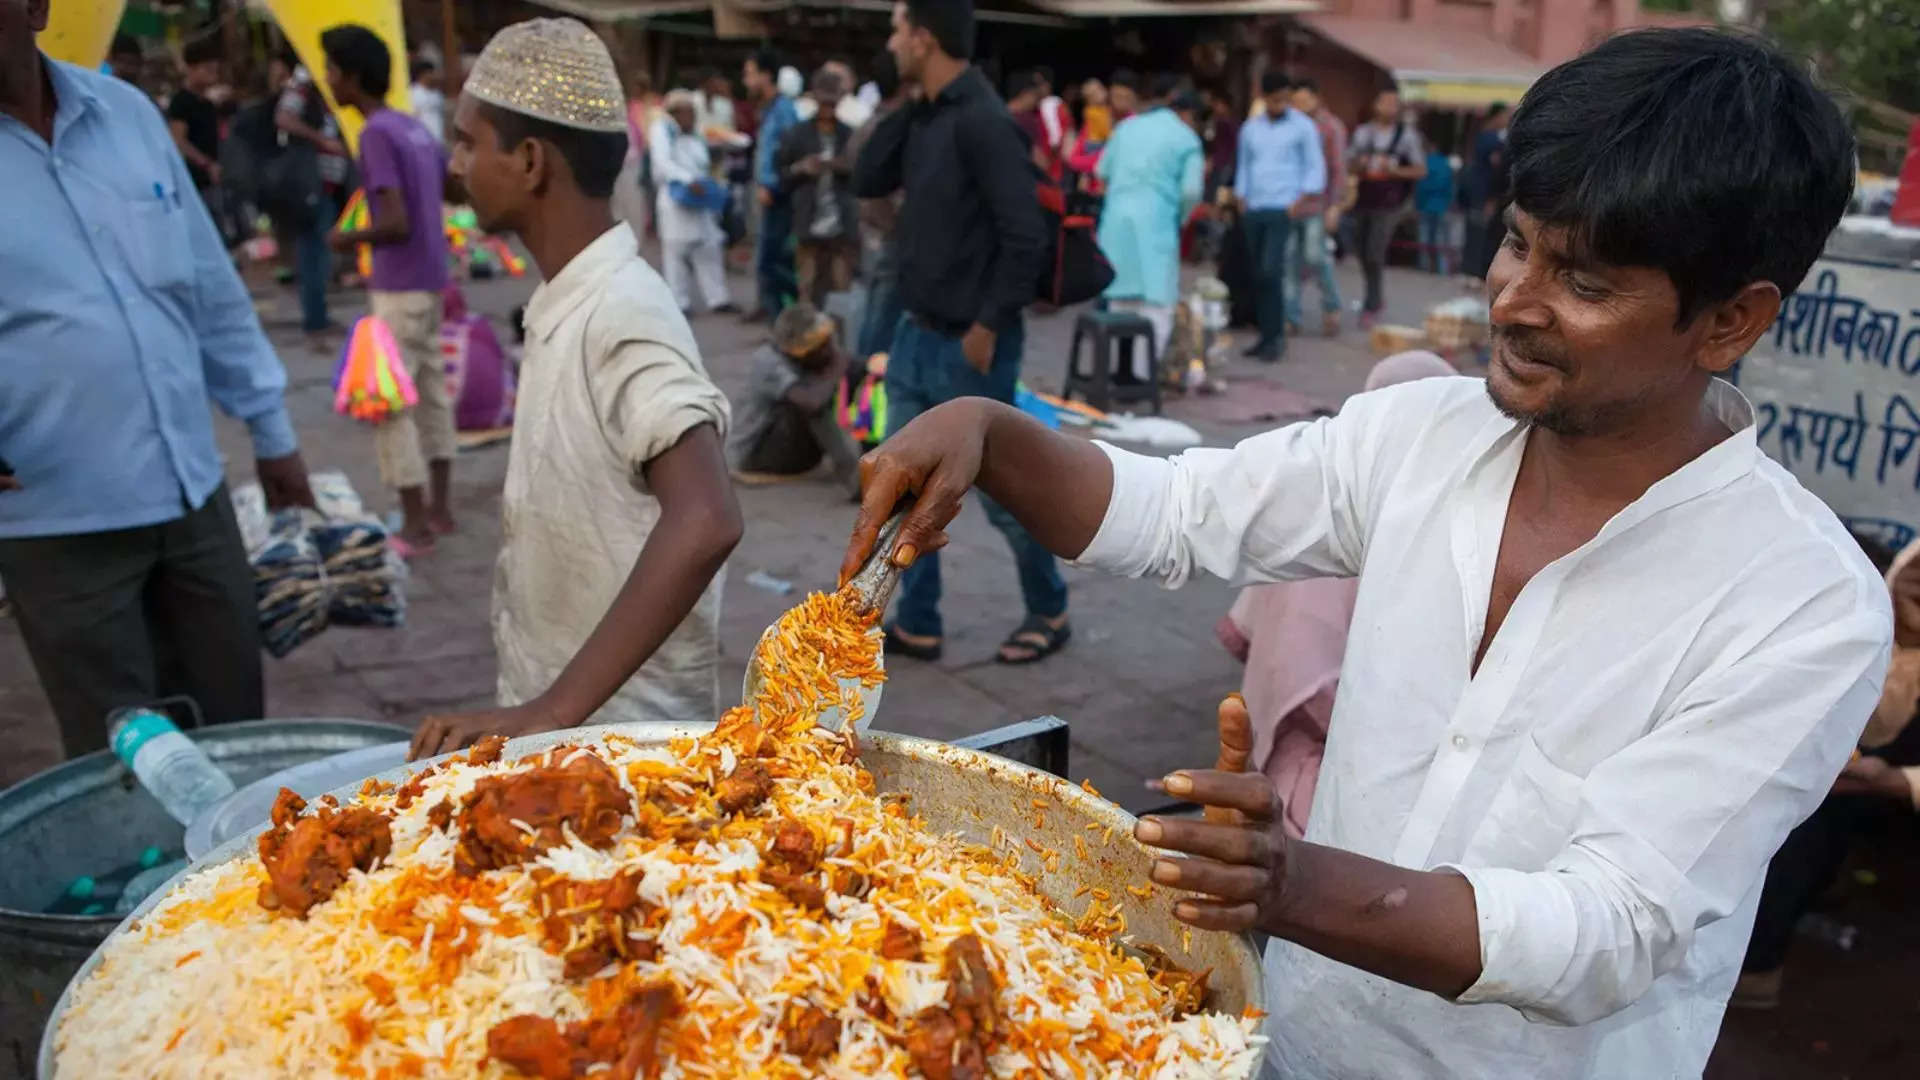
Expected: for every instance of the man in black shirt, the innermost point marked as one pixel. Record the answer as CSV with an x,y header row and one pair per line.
x,y
971,242
192,118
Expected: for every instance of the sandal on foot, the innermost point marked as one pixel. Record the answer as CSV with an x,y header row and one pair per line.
x,y
899,646
1038,637
409,550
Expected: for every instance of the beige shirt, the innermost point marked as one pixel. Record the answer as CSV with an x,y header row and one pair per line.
x,y
611,379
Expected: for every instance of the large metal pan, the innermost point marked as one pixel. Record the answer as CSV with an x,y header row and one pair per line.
x,y
955,790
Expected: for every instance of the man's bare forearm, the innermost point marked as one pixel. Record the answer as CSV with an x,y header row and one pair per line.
x,y
1417,927
1058,486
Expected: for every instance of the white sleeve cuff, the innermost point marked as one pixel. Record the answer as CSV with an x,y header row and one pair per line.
x,y
1136,513
1528,928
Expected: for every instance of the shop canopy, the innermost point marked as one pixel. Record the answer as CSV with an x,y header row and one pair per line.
x,y
1056,13
1434,65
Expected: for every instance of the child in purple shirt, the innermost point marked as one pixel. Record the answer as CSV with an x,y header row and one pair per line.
x,y
402,167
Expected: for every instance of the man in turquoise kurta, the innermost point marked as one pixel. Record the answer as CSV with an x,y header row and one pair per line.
x,y
1152,169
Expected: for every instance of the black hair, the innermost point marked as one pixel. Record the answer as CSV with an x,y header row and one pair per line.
x,y
421,67
1496,108
1126,77
1877,553
1163,86
1311,86
595,157
886,74
1704,153
125,45
766,60
1043,74
360,55
828,81
1273,80
201,51
949,21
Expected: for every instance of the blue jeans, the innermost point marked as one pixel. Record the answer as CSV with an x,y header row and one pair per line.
x,y
1309,246
313,265
924,369
1268,233
1433,243
773,259
882,316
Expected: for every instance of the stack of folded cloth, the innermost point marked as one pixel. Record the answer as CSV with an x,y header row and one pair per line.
x,y
288,584
363,585
315,568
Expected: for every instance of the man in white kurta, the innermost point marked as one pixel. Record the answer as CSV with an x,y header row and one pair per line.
x,y
692,244
1647,724
611,378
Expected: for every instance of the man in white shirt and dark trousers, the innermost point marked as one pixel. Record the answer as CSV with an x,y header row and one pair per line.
x,y
688,205
1605,654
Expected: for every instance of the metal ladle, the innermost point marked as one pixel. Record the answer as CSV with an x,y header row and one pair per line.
x,y
872,587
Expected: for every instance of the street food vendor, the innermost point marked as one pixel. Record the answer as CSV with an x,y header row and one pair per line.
x,y
1604,653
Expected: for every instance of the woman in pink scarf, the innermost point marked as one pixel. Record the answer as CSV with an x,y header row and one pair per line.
x,y
1293,637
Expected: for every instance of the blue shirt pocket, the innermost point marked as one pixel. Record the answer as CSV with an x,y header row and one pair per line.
x,y
156,243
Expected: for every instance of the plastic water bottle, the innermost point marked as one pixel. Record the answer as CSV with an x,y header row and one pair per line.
x,y
144,883
168,764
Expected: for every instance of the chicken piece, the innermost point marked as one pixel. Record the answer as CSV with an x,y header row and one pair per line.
x,y
970,986
873,1002
898,942
811,1032
307,858
629,1038
534,1046
940,1051
583,795
850,882
487,750
626,1040
595,916
745,788
799,888
413,788
440,814
794,846
287,808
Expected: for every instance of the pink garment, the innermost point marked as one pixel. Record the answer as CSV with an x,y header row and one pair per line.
x,y
1293,638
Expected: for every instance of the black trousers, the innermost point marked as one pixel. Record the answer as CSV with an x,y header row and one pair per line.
x,y
130,615
1810,858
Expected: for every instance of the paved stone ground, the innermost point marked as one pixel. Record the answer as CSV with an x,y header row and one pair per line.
x,y
1138,683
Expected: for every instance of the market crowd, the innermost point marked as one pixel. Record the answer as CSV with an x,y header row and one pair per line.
x,y
1558,867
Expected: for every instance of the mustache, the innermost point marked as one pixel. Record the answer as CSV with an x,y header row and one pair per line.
x,y
1529,345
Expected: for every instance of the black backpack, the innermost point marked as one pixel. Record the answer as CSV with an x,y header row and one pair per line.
x,y
1075,270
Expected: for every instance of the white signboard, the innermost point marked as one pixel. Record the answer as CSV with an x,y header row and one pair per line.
x,y
1836,392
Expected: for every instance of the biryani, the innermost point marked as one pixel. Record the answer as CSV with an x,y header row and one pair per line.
x,y
740,904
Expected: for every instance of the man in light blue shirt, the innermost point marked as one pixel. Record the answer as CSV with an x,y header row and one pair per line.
x,y
120,315
1279,171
